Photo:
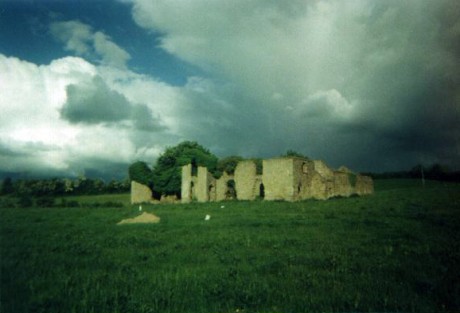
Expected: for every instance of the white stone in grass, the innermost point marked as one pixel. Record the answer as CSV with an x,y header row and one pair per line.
x,y
222,206
207,217
140,208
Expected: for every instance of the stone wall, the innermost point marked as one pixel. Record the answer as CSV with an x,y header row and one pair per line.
x,y
278,179
186,184
221,186
323,169
302,171
245,180
342,184
318,187
140,193
202,185
364,185
289,179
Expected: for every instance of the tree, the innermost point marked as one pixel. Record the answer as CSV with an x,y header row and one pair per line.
x,y
167,171
140,172
227,165
292,153
7,186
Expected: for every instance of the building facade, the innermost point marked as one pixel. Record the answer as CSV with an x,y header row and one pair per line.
x,y
290,179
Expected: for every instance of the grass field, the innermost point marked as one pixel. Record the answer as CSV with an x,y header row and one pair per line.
x,y
395,251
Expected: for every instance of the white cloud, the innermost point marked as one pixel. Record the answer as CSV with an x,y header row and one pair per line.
x,y
76,36
81,39
110,52
35,136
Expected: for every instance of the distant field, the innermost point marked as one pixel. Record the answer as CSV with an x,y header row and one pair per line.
x,y
397,250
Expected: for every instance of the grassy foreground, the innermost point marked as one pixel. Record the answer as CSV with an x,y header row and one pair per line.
x,y
397,250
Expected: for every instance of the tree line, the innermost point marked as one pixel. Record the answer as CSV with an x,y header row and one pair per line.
x,y
61,187
435,171
164,177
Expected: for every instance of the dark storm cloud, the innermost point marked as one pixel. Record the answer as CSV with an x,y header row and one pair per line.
x,y
7,151
368,84
95,103
94,167
373,84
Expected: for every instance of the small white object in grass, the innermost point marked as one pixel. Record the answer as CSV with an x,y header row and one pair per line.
x,y
222,206
140,208
207,217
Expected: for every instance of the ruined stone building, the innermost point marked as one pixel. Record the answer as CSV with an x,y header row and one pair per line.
x,y
289,179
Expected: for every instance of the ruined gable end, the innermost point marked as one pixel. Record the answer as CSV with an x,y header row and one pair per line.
x,y
140,193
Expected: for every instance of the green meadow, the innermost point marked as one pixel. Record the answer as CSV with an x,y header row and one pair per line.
x,y
395,251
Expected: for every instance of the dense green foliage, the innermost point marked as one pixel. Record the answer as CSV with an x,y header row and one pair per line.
x,y
53,187
431,172
140,172
167,170
292,153
227,165
394,251
259,166
7,186
93,201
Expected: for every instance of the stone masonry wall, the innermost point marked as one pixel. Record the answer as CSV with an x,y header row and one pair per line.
x,y
186,184
342,185
278,179
245,180
289,179
302,173
323,169
140,193
201,186
221,187
317,187
364,185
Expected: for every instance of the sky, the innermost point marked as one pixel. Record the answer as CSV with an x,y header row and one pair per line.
x,y
88,87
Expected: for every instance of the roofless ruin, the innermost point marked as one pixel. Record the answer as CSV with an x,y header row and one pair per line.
x,y
287,178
